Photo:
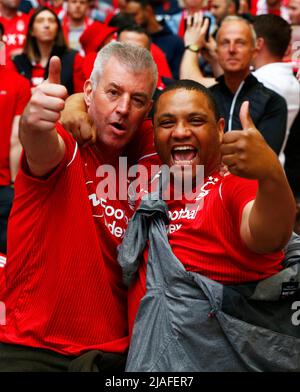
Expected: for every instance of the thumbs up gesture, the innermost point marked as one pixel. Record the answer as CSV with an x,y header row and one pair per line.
x,y
47,101
245,152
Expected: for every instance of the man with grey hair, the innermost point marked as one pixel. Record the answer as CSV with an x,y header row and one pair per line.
x,y
235,50
66,305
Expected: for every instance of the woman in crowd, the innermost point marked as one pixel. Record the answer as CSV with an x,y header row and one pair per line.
x,y
45,39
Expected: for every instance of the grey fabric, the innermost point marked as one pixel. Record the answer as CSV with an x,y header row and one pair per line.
x,y
181,324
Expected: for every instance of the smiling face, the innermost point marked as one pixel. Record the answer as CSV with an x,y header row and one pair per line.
x,y
186,131
119,103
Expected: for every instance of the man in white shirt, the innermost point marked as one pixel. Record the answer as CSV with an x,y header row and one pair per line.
x,y
273,38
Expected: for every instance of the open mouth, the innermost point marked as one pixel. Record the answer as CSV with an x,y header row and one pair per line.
x,y
183,155
119,127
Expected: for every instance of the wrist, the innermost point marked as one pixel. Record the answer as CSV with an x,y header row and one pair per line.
x,y
193,48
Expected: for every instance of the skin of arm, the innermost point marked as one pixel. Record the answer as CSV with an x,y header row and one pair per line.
x,y
267,221
43,146
15,149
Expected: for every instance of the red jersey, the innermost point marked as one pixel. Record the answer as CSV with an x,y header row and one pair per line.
x,y
14,95
63,287
15,30
206,237
160,59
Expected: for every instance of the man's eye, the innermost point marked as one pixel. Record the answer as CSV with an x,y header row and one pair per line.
x,y
166,124
196,121
112,93
139,102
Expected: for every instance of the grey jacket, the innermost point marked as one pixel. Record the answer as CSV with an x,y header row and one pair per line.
x,y
189,323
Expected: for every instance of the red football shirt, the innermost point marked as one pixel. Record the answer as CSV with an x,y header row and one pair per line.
x,y
14,95
63,288
15,30
206,238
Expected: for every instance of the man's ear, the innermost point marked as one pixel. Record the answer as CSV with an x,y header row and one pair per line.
x,y
220,128
260,43
88,92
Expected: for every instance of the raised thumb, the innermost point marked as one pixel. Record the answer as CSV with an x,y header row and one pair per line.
x,y
54,70
245,116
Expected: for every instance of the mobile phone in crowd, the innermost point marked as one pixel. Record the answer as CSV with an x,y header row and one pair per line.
x,y
208,29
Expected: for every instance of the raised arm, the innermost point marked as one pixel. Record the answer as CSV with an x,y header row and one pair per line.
x,y
267,221
43,146
15,149
194,37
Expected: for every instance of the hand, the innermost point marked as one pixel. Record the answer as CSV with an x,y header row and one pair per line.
x,y
209,51
196,30
246,153
76,120
47,101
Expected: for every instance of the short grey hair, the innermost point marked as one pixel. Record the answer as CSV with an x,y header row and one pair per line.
x,y
133,57
236,18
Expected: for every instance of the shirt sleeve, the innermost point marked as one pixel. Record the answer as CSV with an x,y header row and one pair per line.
x,y
70,153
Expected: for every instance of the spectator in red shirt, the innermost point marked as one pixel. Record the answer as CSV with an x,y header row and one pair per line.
x,y
14,95
234,229
45,39
15,26
66,306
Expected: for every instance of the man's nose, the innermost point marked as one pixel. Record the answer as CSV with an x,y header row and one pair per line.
x,y
181,131
123,105
231,46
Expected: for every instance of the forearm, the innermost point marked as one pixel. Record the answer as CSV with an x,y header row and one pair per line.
x,y
15,149
44,150
271,215
189,69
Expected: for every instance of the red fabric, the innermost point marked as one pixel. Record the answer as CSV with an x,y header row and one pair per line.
x,y
181,26
95,36
64,287
15,31
78,75
253,9
14,95
65,24
208,240
88,64
161,61
37,75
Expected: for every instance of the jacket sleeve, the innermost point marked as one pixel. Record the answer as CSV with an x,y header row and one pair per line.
x,y
273,123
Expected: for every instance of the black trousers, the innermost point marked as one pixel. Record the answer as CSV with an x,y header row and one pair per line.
x,y
14,358
6,199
